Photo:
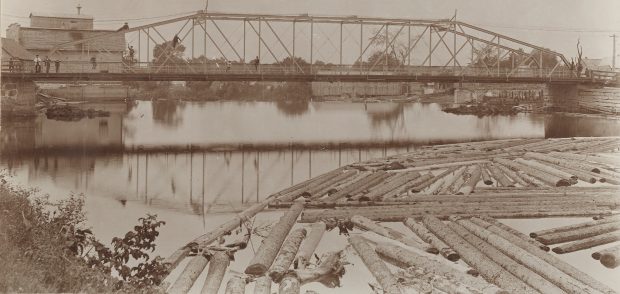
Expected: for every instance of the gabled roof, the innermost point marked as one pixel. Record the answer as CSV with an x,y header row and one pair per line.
x,y
61,15
15,50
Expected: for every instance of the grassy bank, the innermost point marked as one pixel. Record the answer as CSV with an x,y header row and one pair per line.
x,y
42,248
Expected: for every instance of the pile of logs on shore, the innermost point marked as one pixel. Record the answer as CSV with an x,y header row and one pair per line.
x,y
444,203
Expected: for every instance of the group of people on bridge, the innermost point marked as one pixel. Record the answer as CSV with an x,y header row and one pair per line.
x,y
16,64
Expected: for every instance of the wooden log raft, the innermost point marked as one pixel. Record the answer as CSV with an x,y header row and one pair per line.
x,y
359,186
429,182
415,183
498,175
533,263
521,240
549,179
392,187
578,234
512,175
525,274
500,227
269,248
588,243
376,266
429,238
470,184
548,169
218,263
236,285
309,244
490,271
607,220
287,254
317,191
610,257
405,258
366,224
450,179
486,179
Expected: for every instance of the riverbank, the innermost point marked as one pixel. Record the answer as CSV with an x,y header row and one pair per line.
x,y
39,241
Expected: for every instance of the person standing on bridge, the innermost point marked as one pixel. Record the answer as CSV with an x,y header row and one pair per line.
x,y
11,64
57,65
175,41
48,62
131,54
256,62
37,64
93,61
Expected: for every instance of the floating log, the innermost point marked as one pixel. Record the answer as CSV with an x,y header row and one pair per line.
x,y
189,275
588,243
262,285
549,179
452,163
218,263
429,238
414,183
369,225
359,186
287,254
501,227
610,257
547,272
490,271
290,284
548,169
385,190
271,245
471,182
294,192
405,259
593,159
532,181
578,234
570,228
236,285
426,184
450,179
379,270
498,175
317,191
309,244
460,181
523,242
562,162
512,175
486,179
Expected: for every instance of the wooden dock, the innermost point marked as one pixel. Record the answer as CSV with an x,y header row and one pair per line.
x,y
450,199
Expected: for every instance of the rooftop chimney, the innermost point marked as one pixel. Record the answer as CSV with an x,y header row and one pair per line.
x,y
79,7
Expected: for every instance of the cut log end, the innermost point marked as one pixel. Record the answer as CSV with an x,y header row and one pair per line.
x,y
488,182
558,250
453,256
610,261
596,255
256,269
433,250
562,183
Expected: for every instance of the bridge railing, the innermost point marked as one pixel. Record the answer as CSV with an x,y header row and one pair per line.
x,y
372,72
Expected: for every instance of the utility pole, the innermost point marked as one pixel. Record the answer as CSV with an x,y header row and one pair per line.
x,y
613,57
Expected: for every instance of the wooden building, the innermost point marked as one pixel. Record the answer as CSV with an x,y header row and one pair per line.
x,y
47,31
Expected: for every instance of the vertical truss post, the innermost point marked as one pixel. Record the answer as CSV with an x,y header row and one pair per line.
x,y
193,37
454,44
244,59
148,47
259,38
361,44
409,44
387,44
340,58
540,64
139,42
311,43
294,39
430,46
498,55
204,46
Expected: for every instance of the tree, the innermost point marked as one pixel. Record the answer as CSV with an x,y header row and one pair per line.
x,y
397,50
166,53
378,58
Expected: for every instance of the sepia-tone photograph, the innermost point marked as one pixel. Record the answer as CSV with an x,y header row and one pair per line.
x,y
310,146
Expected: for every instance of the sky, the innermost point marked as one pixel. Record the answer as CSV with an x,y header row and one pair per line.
x,y
554,24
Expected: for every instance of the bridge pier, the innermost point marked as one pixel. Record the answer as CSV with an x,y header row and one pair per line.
x,y
18,98
585,98
536,95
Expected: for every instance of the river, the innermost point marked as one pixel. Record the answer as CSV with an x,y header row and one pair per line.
x,y
191,162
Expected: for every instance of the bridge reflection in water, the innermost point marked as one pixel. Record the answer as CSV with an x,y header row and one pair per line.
x,y
138,155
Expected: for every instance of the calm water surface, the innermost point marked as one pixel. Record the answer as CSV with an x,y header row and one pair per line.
x,y
241,152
